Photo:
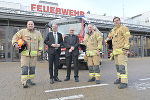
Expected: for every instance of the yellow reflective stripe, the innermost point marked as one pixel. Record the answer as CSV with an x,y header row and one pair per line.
x,y
111,56
33,52
24,77
126,46
91,53
118,75
117,51
91,74
127,33
123,76
26,53
97,74
31,76
40,48
88,53
100,47
27,76
99,37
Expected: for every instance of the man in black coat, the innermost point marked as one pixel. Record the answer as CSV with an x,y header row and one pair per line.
x,y
54,41
71,43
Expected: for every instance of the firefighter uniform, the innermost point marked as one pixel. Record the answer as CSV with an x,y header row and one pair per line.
x,y
93,43
29,56
120,40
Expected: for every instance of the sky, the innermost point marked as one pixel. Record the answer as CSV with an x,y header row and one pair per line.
x,y
120,8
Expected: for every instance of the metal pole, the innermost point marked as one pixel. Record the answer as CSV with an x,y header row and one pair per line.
x,y
123,8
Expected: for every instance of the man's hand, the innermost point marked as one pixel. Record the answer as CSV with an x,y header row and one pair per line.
x,y
57,45
126,52
105,42
107,39
72,48
98,52
39,53
53,45
16,46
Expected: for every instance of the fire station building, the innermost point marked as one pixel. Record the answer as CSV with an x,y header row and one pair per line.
x,y
14,19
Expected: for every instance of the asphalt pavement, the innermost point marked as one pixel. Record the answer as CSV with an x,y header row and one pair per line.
x,y
138,87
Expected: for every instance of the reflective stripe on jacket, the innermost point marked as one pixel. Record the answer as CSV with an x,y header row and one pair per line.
x,y
34,41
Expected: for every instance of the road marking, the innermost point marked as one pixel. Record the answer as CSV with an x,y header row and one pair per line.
x,y
62,89
69,97
144,79
141,86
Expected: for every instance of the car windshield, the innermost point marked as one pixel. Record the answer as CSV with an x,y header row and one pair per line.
x,y
64,28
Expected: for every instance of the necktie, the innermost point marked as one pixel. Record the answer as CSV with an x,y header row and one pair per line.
x,y
55,37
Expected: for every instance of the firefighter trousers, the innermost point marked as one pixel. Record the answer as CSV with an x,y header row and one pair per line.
x,y
121,67
28,65
93,66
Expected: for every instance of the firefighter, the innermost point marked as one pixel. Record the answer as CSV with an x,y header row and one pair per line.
x,y
93,43
34,41
95,29
120,41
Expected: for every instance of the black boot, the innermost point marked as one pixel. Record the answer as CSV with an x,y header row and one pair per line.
x,y
76,79
67,79
57,79
25,85
30,82
51,81
117,81
92,79
98,82
122,85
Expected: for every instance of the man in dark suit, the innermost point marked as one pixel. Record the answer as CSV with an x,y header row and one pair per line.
x,y
71,43
54,41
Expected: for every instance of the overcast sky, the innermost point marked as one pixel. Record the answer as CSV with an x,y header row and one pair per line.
x,y
127,8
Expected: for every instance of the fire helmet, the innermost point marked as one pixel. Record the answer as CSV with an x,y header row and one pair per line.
x,y
22,45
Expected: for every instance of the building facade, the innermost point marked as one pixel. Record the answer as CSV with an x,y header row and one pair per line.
x,y
12,20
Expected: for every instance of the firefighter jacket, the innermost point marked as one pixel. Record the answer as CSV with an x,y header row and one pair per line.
x,y
34,41
120,38
93,43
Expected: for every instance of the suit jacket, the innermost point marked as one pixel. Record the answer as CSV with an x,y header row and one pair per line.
x,y
49,40
71,41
